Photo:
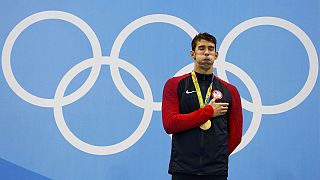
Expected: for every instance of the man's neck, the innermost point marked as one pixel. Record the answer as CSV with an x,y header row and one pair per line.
x,y
202,71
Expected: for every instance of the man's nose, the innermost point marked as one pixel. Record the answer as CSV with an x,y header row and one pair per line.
x,y
206,52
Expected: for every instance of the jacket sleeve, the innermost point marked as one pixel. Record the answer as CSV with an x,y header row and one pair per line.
x,y
172,120
235,120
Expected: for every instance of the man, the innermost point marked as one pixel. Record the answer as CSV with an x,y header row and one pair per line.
x,y
204,115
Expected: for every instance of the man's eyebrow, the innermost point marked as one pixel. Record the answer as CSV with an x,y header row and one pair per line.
x,y
202,46
205,46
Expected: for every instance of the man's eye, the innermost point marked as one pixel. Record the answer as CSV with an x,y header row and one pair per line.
x,y
211,48
201,48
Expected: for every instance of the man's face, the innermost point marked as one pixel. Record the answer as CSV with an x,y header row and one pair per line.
x,y
204,55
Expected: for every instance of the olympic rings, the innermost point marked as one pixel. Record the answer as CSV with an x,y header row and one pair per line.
x,y
301,35
17,30
147,103
103,150
115,51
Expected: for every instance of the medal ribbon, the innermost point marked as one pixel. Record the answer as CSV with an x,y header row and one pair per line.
x,y
196,85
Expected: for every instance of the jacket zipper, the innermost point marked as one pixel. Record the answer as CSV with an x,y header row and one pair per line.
x,y
201,147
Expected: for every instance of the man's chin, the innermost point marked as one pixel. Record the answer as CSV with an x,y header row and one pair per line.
x,y
206,63
206,67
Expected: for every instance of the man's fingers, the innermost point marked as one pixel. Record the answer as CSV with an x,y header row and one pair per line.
x,y
221,108
224,111
224,108
223,104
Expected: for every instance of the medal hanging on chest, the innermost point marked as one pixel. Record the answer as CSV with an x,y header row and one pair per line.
x,y
206,125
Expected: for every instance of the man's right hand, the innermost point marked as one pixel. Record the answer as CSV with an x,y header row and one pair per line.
x,y
218,108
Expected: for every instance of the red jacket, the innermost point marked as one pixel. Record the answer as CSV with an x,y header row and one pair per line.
x,y
195,151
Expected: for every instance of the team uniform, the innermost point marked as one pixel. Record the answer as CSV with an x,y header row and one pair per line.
x,y
196,152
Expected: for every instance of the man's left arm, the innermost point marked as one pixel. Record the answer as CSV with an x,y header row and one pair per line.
x,y
235,120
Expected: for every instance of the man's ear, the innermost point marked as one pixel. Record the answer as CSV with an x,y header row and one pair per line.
x,y
216,55
192,54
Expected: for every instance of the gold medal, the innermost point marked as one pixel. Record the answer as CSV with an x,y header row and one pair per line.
x,y
206,125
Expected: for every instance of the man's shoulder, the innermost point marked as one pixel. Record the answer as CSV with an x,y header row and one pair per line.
x,y
173,82
227,84
177,79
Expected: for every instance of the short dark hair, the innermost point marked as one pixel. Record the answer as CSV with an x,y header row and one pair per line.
x,y
206,36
